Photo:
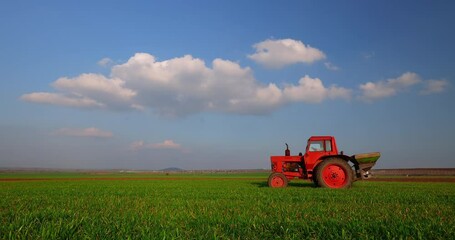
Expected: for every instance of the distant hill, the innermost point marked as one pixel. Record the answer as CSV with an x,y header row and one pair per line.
x,y
172,169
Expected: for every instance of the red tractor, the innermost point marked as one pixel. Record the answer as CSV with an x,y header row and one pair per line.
x,y
323,164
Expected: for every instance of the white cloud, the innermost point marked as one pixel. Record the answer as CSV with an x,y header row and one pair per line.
x,y
105,62
331,66
182,86
98,88
186,85
389,87
334,92
166,144
282,52
70,100
434,86
85,132
87,91
312,90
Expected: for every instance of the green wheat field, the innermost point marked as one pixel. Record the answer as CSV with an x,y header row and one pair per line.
x,y
218,206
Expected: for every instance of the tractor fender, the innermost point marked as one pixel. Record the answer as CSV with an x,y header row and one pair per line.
x,y
348,159
344,157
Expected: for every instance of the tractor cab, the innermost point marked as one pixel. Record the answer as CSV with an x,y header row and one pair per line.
x,y
318,147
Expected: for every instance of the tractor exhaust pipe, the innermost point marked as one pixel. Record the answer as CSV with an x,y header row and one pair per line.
x,y
287,152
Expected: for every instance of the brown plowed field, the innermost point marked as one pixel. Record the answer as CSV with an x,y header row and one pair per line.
x,y
413,179
120,179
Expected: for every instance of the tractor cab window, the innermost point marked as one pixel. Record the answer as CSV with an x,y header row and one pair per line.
x,y
328,145
316,146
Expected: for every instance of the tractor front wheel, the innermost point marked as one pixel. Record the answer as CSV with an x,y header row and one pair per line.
x,y
277,180
334,173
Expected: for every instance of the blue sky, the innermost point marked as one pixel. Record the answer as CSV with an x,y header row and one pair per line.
x,y
224,84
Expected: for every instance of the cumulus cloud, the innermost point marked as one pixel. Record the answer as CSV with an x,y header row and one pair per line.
x,y
97,87
166,144
69,100
282,52
187,85
312,90
434,86
389,87
85,132
87,91
181,86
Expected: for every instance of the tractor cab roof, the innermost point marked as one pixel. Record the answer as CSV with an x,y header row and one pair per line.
x,y
318,138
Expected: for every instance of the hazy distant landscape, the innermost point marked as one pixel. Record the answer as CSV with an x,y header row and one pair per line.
x,y
375,172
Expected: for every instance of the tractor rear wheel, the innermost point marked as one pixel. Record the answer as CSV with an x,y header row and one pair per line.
x,y
334,173
277,180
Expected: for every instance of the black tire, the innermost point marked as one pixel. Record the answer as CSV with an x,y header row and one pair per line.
x,y
315,178
277,180
334,173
